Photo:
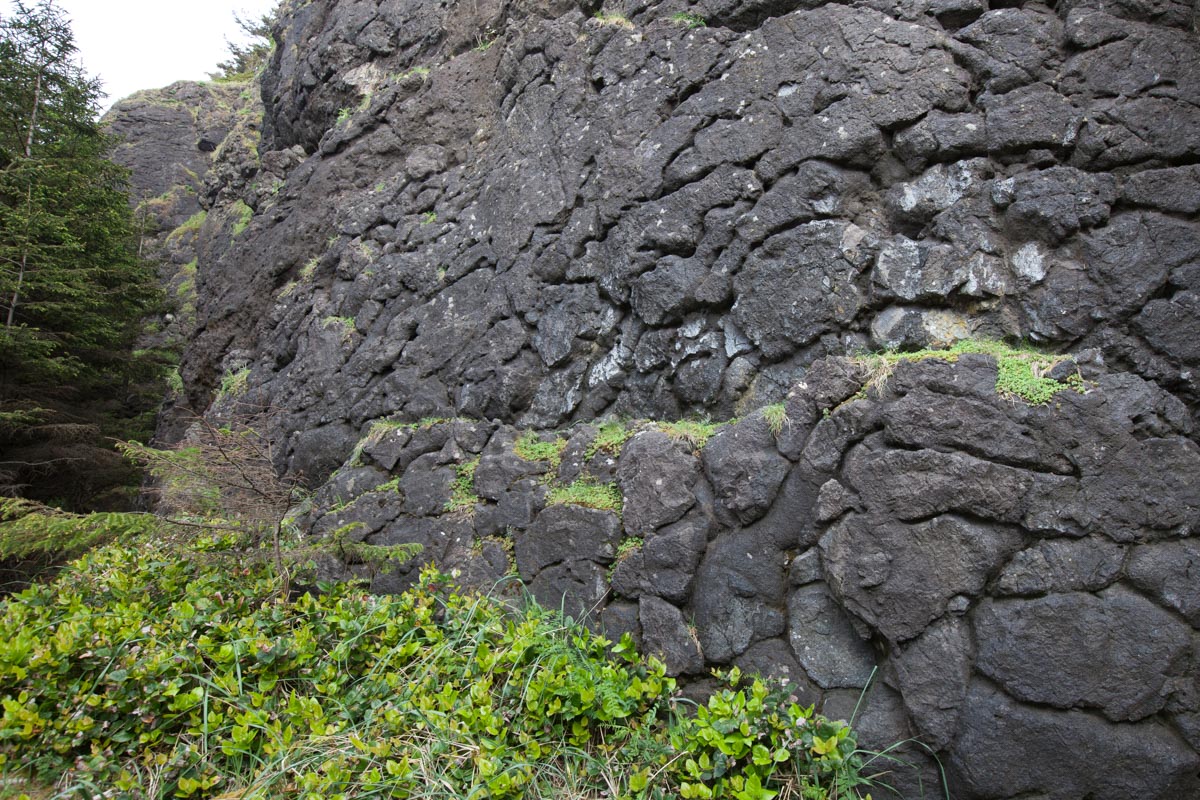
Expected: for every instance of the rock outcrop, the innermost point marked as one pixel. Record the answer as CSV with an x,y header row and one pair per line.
x,y
524,212
1020,577
179,144
545,215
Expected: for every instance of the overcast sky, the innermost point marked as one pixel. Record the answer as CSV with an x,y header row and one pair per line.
x,y
146,44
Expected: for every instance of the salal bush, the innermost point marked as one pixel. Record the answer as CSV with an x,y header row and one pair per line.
x,y
144,672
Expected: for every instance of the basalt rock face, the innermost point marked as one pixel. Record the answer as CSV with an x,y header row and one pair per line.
x,y
182,145
519,214
521,211
1020,578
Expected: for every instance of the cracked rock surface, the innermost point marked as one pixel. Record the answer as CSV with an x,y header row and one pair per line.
x,y
515,210
513,214
952,549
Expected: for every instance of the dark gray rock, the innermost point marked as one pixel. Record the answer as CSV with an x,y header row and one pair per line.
x,y
427,485
745,469
665,565
618,619
917,484
831,652
1111,651
1168,572
1062,565
898,578
800,284
743,598
982,428
1174,190
665,634
932,675
566,534
656,476
1005,749
1127,502
319,451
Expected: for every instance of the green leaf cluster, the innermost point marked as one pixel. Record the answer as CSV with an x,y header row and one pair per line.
x,y
73,291
462,493
155,675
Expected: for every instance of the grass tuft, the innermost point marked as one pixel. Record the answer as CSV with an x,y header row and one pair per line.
x,y
587,493
1022,371
695,433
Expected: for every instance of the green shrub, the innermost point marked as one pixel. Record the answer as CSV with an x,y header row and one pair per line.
x,y
155,675
32,532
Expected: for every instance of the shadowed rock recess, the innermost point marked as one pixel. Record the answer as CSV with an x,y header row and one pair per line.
x,y
518,214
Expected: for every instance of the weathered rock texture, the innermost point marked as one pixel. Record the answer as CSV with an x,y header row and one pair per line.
x,y
180,144
1022,577
519,211
516,211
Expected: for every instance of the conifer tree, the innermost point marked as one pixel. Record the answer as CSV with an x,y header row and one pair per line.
x,y
73,292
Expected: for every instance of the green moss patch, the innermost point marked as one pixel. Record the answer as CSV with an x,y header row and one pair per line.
x,y
462,496
604,496
531,448
1022,372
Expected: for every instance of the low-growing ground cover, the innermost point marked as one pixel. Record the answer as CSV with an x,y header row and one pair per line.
x,y
143,671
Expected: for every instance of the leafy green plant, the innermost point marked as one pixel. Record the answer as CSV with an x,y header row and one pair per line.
x,y
155,673
588,493
429,217
462,496
689,20
234,383
531,448
610,438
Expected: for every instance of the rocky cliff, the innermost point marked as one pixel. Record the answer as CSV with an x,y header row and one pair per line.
x,y
518,214
1020,577
522,211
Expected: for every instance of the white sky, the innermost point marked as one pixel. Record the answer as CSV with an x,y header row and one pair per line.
x,y
147,44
